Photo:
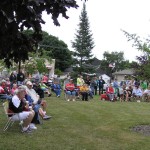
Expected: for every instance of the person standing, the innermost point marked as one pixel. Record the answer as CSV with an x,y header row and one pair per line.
x,y
80,81
95,83
88,80
116,86
20,77
101,83
12,79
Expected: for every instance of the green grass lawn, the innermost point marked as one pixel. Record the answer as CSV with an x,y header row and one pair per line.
x,y
92,125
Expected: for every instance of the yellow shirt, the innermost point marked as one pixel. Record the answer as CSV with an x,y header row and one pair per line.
x,y
84,89
80,81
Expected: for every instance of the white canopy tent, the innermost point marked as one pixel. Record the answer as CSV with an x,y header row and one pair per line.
x,y
105,77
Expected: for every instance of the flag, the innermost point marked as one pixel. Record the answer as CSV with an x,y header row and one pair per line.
x,y
111,65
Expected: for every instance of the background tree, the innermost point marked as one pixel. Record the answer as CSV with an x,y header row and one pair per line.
x,y
116,58
83,44
142,68
17,15
56,49
52,47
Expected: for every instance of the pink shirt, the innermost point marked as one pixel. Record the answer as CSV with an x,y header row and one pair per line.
x,y
45,79
13,90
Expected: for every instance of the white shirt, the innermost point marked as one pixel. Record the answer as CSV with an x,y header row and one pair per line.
x,y
16,101
33,94
147,92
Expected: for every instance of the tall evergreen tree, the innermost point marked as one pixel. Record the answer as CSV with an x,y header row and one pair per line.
x,y
83,44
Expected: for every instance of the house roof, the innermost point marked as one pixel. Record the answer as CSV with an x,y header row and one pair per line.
x,y
124,72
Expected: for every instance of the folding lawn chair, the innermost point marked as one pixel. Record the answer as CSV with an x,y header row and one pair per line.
x,y
9,122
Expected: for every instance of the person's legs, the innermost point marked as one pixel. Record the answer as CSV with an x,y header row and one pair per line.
x,y
127,97
35,119
55,91
86,96
100,90
73,94
59,92
91,94
110,97
44,105
68,94
28,120
82,93
95,88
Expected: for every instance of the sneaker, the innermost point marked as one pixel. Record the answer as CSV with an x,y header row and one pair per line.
x,y
58,95
46,117
27,131
73,100
68,100
32,126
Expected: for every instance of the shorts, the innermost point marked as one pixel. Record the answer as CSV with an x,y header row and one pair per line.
x,y
21,116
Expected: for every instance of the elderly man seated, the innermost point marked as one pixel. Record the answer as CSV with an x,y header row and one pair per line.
x,y
36,100
19,106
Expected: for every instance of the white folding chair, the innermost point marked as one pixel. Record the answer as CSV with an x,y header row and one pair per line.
x,y
9,122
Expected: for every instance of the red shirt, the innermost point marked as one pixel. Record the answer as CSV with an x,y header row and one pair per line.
x,y
110,90
70,86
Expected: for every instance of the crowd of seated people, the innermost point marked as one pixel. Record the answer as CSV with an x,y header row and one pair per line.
x,y
128,90
24,100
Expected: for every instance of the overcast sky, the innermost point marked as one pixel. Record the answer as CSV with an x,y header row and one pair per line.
x,y
107,18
